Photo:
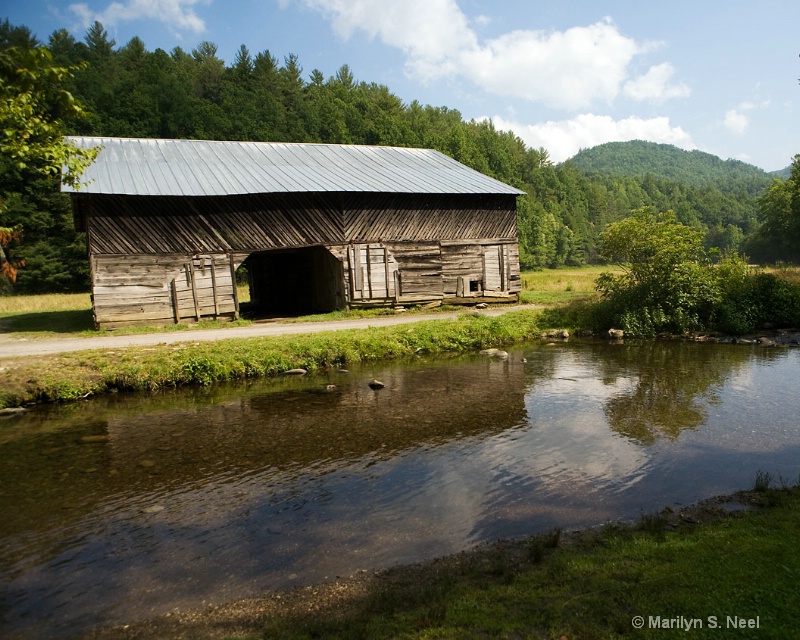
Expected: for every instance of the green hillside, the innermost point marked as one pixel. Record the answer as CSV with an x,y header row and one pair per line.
x,y
695,168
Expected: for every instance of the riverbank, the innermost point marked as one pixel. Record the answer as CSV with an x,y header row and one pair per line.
x,y
726,567
183,360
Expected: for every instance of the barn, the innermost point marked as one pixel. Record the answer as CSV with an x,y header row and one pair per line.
x,y
318,227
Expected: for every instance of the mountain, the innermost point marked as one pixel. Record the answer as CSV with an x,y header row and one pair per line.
x,y
695,168
783,174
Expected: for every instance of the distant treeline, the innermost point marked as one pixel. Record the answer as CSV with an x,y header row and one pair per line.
x,y
130,91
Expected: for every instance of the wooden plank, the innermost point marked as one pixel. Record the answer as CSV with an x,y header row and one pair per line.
x,y
233,285
386,270
214,288
369,273
175,307
501,259
190,275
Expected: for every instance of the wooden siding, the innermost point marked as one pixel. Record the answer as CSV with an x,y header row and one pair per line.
x,y
157,290
372,272
159,225
135,225
158,260
433,218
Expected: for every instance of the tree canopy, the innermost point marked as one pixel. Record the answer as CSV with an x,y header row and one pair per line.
x,y
33,103
131,91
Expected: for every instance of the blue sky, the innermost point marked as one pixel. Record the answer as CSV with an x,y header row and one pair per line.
x,y
717,76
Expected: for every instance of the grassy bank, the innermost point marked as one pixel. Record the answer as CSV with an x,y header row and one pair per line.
x,y
81,374
706,572
711,579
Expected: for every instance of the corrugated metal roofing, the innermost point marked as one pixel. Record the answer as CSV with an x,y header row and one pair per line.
x,y
144,166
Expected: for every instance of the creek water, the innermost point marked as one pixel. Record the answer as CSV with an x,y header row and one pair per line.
x,y
135,505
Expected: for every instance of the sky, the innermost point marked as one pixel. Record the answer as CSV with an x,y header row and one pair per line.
x,y
718,76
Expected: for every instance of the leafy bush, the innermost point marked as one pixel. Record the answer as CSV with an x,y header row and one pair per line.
x,y
751,299
667,284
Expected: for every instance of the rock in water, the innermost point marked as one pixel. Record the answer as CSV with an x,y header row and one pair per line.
x,y
376,384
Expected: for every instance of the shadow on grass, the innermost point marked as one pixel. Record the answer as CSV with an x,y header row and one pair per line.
x,y
69,321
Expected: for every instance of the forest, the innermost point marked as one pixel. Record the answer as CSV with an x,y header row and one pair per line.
x,y
129,91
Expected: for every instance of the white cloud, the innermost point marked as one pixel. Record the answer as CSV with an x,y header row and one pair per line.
x,y
563,139
655,85
736,121
427,31
177,14
569,69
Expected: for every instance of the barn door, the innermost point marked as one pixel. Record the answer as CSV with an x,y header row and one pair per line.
x,y
496,267
372,272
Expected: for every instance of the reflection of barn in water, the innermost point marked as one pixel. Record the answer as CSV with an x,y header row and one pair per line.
x,y
319,228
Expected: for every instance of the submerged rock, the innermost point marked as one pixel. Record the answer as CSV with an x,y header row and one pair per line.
x,y
495,353
12,411
295,372
94,439
156,508
376,384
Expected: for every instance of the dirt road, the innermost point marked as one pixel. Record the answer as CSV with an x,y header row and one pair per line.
x,y
11,347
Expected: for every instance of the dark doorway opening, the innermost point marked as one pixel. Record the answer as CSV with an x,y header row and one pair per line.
x,y
295,282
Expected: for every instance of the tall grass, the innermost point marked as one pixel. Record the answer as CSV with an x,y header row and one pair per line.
x,y
45,302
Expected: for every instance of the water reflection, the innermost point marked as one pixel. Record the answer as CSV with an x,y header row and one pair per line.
x,y
129,506
671,387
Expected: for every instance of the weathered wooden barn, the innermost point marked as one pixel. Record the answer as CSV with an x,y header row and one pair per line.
x,y
319,227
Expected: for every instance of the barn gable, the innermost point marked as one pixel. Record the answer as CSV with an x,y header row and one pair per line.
x,y
320,226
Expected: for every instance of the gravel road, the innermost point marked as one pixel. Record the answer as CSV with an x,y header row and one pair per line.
x,y
12,347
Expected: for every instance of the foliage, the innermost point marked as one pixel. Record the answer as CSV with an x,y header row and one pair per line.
x,y
751,299
666,282
693,168
33,102
34,157
130,91
778,238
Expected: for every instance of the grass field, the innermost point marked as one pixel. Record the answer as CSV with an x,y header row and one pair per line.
x,y
554,286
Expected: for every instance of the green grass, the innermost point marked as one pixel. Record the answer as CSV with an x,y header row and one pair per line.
x,y
738,565
559,286
80,374
53,314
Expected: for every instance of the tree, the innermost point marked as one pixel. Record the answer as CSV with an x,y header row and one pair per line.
x,y
778,238
33,103
667,282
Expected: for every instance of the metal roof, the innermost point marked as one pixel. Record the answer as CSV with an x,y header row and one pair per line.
x,y
154,167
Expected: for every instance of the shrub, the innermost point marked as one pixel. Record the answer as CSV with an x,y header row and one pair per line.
x,y
752,299
667,282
